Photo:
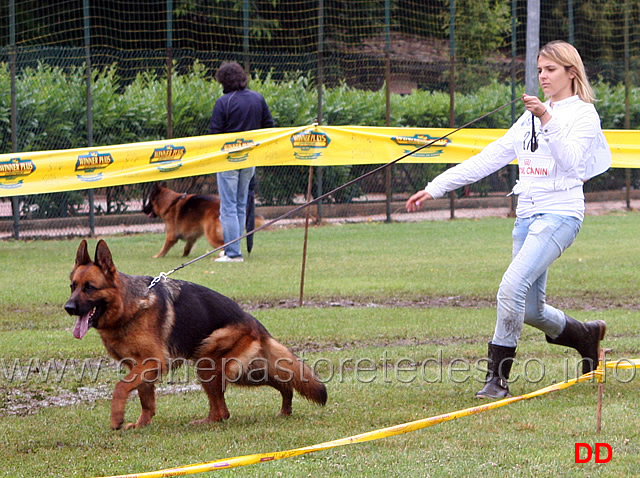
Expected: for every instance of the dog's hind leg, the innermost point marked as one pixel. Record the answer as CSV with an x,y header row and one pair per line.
x,y
287,395
213,233
188,246
213,384
147,394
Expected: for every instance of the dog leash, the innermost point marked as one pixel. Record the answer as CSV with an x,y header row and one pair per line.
x,y
164,275
534,137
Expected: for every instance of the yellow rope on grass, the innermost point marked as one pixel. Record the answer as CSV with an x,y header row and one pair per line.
x,y
624,364
368,436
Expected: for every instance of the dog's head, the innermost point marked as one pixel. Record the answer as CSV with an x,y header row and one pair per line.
x,y
94,288
149,206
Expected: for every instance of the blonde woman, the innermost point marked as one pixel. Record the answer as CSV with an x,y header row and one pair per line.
x,y
559,145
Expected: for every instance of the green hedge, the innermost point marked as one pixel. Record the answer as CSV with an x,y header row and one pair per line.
x,y
51,104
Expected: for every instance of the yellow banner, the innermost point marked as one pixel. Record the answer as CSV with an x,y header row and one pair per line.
x,y
103,166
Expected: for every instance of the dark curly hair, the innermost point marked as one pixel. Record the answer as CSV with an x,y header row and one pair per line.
x,y
232,77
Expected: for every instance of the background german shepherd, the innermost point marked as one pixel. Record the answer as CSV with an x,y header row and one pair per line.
x,y
150,331
186,217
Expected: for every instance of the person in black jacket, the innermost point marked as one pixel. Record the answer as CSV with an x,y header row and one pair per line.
x,y
238,109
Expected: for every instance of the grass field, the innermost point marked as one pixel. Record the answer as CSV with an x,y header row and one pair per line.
x,y
396,317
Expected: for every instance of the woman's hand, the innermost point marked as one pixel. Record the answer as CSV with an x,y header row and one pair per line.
x,y
533,104
414,203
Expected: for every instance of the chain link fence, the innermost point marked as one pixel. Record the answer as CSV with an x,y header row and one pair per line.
x,y
83,73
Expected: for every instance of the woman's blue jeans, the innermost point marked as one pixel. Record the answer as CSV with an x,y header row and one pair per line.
x,y
233,189
537,242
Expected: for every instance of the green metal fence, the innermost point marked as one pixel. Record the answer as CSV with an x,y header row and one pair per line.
x,y
82,73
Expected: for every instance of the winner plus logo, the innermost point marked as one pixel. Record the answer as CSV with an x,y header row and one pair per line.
x,y
13,172
308,144
90,166
238,150
168,158
435,148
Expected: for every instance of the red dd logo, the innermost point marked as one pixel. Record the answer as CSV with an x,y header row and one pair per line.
x,y
596,452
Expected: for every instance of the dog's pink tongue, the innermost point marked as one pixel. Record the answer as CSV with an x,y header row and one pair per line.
x,y
81,327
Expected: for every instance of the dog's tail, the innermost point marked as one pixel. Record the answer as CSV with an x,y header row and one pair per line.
x,y
286,368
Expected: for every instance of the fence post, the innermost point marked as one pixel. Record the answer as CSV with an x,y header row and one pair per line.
x,y
387,74
570,21
87,54
245,35
533,45
514,52
319,87
627,89
15,203
452,88
169,69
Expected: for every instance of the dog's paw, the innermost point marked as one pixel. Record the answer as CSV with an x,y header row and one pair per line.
x,y
133,426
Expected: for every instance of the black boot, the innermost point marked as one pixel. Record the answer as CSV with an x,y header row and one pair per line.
x,y
585,337
499,368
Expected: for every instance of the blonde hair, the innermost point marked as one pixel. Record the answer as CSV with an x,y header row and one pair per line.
x,y
565,54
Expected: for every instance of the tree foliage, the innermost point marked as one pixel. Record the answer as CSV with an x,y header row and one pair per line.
x,y
481,28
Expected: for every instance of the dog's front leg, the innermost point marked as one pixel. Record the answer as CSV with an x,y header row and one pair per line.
x,y
147,394
143,379
169,242
118,402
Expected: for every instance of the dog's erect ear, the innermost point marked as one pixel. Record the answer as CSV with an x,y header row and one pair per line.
x,y
82,256
103,258
156,189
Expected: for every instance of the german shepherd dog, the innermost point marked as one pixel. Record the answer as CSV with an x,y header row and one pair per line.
x,y
151,331
185,216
